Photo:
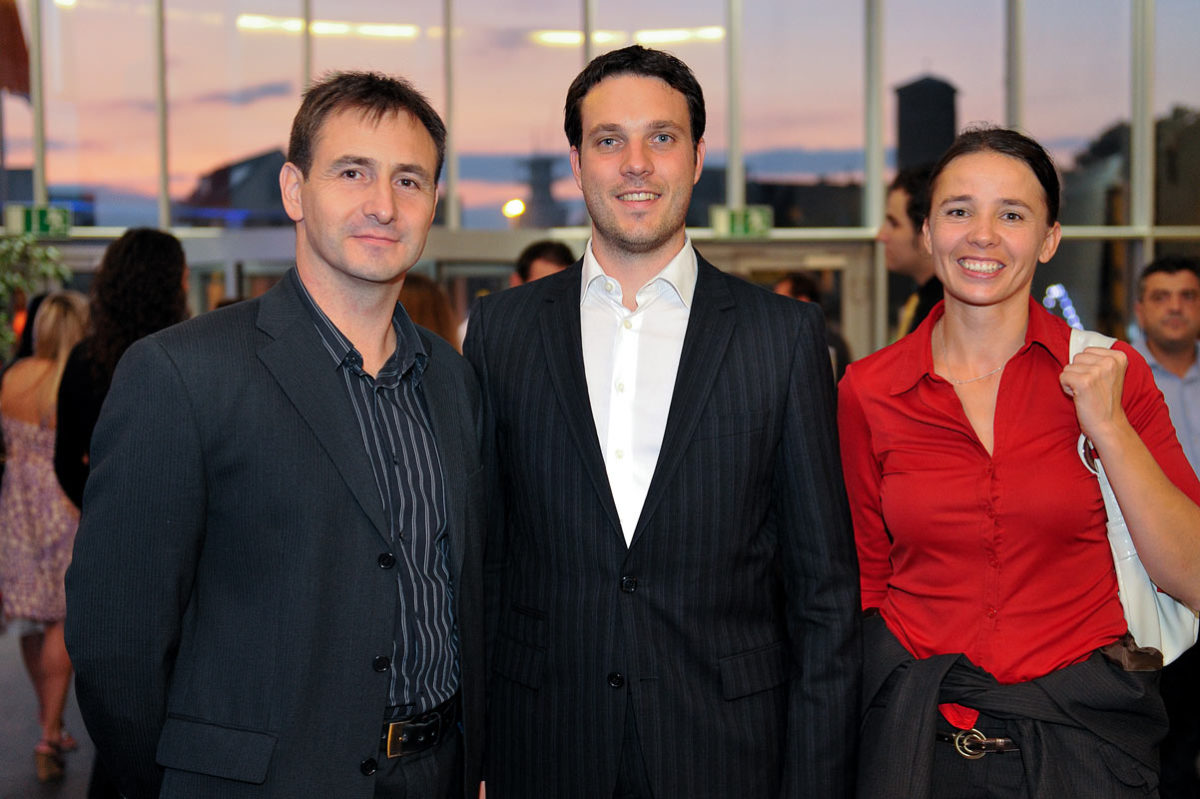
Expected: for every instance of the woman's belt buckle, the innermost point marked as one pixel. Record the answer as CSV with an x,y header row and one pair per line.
x,y
969,744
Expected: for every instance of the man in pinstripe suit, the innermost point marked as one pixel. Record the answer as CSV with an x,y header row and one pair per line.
x,y
672,589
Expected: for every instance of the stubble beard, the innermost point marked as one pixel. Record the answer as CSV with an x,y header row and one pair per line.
x,y
636,240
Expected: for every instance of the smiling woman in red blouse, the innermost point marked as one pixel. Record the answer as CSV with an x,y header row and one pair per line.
x,y
997,660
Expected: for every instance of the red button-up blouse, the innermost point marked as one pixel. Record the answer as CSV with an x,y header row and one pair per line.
x,y
1001,557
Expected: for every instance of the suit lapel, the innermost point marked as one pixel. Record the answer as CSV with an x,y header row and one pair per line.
x,y
563,343
709,329
303,369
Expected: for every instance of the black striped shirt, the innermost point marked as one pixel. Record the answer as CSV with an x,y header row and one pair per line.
x,y
396,432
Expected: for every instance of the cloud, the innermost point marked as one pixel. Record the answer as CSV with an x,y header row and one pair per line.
x,y
248,94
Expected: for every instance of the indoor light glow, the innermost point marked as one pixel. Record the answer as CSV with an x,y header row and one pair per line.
x,y
261,23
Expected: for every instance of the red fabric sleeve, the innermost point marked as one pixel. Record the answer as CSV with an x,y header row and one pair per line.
x,y
863,476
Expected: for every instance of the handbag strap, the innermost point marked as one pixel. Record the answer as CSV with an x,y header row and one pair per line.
x,y
1081,340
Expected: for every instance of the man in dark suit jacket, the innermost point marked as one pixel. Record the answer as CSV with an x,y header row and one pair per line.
x,y
673,597
284,497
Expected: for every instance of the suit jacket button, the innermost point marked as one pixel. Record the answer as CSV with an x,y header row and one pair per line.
x,y
381,663
616,679
629,584
387,560
368,767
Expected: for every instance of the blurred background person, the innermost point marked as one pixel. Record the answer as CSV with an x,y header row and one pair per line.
x,y
37,522
1168,312
140,288
24,350
904,250
540,259
429,306
536,261
25,342
804,287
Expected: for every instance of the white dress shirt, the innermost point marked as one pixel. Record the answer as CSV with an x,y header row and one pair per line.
x,y
630,359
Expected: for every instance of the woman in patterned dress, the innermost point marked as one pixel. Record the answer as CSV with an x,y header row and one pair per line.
x,y
37,521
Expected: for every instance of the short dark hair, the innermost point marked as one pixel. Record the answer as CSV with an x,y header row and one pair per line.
x,y
914,182
802,284
375,95
1014,145
1168,264
546,250
634,60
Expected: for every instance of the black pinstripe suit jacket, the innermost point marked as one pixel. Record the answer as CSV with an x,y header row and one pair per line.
x,y
731,619
227,600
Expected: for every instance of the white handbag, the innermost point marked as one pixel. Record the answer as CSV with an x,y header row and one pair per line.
x,y
1155,618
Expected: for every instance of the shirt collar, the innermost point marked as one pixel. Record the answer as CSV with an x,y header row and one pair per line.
x,y
1158,368
410,352
915,351
679,273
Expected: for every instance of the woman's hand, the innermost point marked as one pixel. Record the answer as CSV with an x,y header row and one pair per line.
x,y
1164,523
1095,380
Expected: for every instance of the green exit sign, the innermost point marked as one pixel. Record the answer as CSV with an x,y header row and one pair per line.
x,y
753,221
41,220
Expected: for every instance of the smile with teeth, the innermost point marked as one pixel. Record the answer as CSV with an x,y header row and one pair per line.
x,y
980,267
637,196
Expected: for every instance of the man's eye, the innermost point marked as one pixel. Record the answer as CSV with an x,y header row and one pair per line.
x,y
350,173
1011,216
662,138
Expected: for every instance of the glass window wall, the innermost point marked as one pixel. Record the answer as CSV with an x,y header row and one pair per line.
x,y
100,122
233,84
802,111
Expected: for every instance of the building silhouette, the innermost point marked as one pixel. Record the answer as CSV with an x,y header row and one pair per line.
x,y
926,121
241,194
541,209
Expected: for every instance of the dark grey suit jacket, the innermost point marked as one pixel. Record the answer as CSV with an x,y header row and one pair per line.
x,y
227,599
730,624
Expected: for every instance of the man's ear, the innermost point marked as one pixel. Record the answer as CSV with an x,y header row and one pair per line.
x,y
575,167
700,149
291,183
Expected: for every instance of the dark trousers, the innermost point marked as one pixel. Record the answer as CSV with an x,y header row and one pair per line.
x,y
1002,775
1181,749
993,776
436,773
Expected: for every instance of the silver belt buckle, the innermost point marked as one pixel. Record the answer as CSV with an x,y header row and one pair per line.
x,y
968,743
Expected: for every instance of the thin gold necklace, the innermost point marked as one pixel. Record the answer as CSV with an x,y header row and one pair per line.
x,y
946,364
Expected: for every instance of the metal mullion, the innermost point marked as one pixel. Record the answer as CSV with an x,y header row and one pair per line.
x,y
453,206
160,111
735,166
1014,63
873,193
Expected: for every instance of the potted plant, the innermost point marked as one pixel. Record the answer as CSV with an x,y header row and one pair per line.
x,y
25,268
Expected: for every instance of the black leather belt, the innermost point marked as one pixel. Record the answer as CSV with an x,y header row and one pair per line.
x,y
972,744
416,734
